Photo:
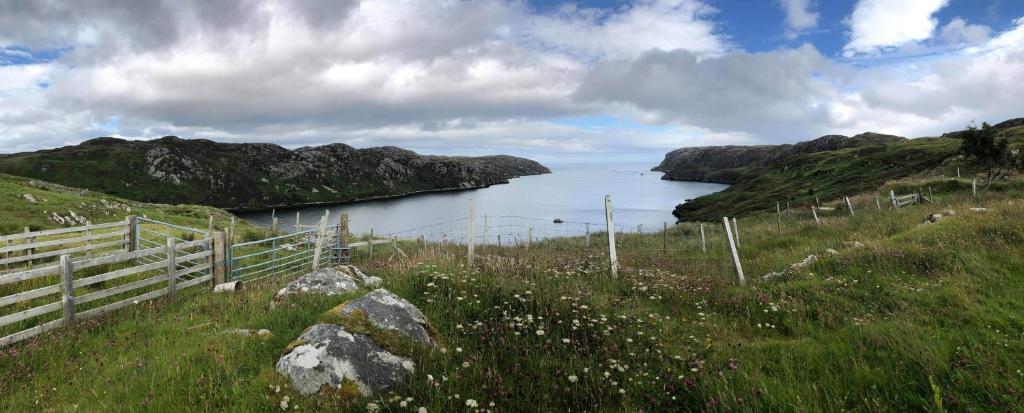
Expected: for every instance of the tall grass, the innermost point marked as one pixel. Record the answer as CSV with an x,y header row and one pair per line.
x,y
922,317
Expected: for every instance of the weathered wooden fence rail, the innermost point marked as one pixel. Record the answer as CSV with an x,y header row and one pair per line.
x,y
35,247
69,278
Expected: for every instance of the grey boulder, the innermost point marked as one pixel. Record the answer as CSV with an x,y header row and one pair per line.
x,y
326,281
391,312
327,355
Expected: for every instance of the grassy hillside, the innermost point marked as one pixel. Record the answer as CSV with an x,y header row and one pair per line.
x,y
49,199
827,175
255,176
921,318
828,167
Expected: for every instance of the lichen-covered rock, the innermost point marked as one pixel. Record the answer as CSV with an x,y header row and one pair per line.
x,y
326,281
373,282
327,355
391,312
352,271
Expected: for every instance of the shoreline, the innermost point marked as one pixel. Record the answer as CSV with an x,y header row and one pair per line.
x,y
371,198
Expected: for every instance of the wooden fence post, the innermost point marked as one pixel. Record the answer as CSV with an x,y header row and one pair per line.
x,y
529,237
878,203
613,259
814,212
273,220
703,243
487,230
735,254
499,241
31,251
974,188
471,233
778,214
958,172
67,275
298,222
370,244
220,262
736,232
930,197
209,226
231,230
817,203
343,251
319,242
664,238
588,235
892,196
849,205
172,276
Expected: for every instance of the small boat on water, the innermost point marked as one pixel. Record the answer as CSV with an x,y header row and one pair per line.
x,y
558,220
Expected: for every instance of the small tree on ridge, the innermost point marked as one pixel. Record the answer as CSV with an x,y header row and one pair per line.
x,y
988,151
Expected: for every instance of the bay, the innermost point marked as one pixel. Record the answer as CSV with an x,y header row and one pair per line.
x,y
574,194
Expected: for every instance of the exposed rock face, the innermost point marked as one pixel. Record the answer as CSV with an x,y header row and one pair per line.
x,y
391,312
327,281
327,355
200,171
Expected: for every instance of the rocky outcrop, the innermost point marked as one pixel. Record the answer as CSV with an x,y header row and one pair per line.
x,y
387,311
328,358
728,164
326,281
252,175
340,354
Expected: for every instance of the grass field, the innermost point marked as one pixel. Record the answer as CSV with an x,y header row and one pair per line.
x,y
921,318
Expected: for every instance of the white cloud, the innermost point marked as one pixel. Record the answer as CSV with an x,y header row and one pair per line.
x,y
319,71
799,16
449,76
766,94
958,31
634,29
878,25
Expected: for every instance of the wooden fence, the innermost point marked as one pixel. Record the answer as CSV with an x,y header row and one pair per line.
x,y
84,286
20,251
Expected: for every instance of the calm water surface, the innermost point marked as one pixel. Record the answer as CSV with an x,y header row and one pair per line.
x,y
575,194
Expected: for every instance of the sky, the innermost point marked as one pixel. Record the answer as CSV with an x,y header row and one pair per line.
x,y
557,81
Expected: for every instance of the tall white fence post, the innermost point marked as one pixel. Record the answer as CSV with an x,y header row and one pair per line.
x,y
529,237
735,254
369,243
778,214
613,260
172,277
849,205
736,232
588,235
878,203
892,196
487,230
974,188
470,233
703,242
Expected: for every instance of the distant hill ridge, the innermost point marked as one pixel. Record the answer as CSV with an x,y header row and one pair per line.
x,y
829,166
257,175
